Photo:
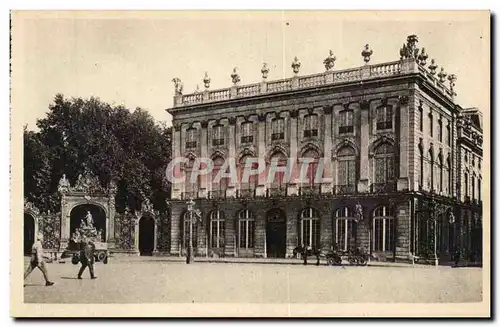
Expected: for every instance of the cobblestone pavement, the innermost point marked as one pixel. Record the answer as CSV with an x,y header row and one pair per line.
x,y
156,281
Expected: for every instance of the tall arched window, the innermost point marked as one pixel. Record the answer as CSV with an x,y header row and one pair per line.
x,y
246,164
217,228
309,228
277,180
441,173
246,229
218,186
192,183
446,177
473,186
466,184
312,167
345,226
479,188
383,229
346,172
428,171
384,164
420,170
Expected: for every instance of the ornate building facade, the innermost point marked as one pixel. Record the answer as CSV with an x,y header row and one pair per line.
x,y
397,147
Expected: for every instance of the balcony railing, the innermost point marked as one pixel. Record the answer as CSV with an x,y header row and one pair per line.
x,y
383,187
247,139
217,142
191,145
217,194
245,193
309,190
310,133
384,125
276,191
277,136
345,189
189,195
367,72
346,129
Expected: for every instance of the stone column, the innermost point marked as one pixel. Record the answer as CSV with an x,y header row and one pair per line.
x,y
203,191
176,210
364,170
260,233
261,152
326,228
327,157
64,224
137,219
233,185
229,232
110,239
294,114
404,143
177,188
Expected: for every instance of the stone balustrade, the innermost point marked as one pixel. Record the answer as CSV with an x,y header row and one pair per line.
x,y
367,72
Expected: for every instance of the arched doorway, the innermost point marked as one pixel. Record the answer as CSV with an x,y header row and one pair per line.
x,y
29,233
276,233
79,213
146,235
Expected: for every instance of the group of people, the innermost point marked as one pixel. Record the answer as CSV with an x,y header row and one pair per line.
x,y
38,259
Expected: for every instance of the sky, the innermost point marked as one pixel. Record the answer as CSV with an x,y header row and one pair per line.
x,y
130,58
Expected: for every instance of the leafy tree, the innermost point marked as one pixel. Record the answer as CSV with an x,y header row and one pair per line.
x,y
113,142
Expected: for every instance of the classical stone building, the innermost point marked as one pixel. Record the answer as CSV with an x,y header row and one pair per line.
x,y
403,156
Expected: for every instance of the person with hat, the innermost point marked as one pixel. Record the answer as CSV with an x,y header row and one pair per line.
x,y
87,249
38,260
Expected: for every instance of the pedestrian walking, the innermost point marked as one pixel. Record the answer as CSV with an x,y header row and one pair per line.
x,y
87,249
37,260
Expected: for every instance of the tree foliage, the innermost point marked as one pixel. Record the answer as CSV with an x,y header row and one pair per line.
x,y
115,143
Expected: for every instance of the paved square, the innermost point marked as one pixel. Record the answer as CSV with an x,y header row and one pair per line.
x,y
156,281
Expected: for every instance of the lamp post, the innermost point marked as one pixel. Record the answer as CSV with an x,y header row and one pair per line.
x,y
192,213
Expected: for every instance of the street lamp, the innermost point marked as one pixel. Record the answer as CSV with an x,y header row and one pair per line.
x,y
191,213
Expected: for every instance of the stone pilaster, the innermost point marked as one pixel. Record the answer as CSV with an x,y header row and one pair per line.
x,y
203,191
230,232
260,233
326,228
402,124
328,172
177,188
177,208
364,169
261,152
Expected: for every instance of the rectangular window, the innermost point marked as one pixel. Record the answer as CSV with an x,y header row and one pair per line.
x,y
448,135
247,135
191,138
311,125
346,124
218,135
384,118
278,129
431,125
421,118
440,130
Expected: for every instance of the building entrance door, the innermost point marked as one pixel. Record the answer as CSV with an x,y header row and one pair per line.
x,y
276,234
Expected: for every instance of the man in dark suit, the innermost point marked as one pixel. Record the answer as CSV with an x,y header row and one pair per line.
x,y
87,249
